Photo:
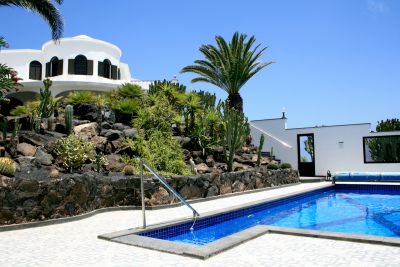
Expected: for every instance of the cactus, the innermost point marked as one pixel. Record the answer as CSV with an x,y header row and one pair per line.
x,y
7,166
272,152
100,161
259,150
69,112
235,130
46,107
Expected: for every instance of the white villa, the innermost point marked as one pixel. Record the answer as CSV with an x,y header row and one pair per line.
x,y
338,148
77,63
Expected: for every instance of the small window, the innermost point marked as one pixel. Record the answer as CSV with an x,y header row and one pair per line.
x,y
54,66
35,70
80,65
107,68
382,149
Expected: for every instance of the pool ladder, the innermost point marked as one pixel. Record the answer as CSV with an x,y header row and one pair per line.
x,y
143,163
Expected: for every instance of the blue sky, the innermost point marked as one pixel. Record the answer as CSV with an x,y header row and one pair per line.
x,y
337,62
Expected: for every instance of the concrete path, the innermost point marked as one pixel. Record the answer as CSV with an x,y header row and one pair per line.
x,y
76,243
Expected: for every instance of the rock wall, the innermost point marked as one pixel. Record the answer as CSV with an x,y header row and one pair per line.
x,y
24,200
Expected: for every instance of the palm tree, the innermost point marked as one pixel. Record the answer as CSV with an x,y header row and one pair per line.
x,y
229,66
44,8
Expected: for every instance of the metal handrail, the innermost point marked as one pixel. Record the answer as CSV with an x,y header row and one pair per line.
x,y
143,163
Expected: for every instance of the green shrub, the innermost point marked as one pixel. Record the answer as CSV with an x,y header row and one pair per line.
x,y
126,106
19,110
159,115
286,166
80,97
73,152
128,90
160,151
272,166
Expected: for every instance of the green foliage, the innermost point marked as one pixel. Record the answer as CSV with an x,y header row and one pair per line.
x,y
388,125
20,110
7,166
260,147
128,90
286,166
100,160
126,106
309,146
272,166
205,134
158,86
229,65
234,131
46,9
384,148
207,100
160,151
73,152
191,106
68,116
156,115
8,82
80,97
47,102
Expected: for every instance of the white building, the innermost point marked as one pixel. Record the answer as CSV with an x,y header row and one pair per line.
x,y
336,148
77,63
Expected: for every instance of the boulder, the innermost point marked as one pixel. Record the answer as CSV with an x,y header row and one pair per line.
x,y
120,127
60,127
99,142
189,191
114,163
43,158
111,134
210,160
202,168
106,125
240,167
33,138
160,197
4,181
212,191
129,133
86,111
225,187
25,163
183,140
238,186
26,149
86,131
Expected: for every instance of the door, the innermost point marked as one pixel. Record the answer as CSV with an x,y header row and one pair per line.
x,y
306,154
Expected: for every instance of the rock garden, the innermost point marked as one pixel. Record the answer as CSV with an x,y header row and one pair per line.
x,y
65,156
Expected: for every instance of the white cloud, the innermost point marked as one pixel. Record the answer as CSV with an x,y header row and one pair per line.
x,y
377,7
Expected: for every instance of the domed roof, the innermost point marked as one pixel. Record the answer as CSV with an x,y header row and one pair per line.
x,y
82,37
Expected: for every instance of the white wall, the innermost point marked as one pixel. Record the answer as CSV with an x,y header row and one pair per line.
x,y
329,154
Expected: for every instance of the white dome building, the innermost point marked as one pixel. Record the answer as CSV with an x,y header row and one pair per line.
x,y
77,63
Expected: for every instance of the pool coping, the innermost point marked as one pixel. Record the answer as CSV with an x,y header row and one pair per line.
x,y
131,237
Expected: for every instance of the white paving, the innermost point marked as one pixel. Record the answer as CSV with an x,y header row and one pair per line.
x,y
76,243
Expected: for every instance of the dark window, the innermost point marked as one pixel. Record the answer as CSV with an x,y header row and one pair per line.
x,y
382,149
80,65
35,70
107,69
53,67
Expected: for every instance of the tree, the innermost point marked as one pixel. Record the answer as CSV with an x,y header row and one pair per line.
x,y
388,125
229,65
46,9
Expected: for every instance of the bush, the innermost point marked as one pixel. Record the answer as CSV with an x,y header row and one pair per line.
x,y
80,97
73,152
128,90
160,151
272,166
19,110
125,109
286,166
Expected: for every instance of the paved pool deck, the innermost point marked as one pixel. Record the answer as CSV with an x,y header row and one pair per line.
x,y
76,243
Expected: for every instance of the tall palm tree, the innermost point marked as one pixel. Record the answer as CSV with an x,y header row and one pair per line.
x,y
44,8
229,65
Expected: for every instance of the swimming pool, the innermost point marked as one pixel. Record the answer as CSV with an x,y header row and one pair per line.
x,y
354,212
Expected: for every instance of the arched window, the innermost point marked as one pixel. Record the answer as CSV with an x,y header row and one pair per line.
x,y
107,68
54,66
81,65
35,70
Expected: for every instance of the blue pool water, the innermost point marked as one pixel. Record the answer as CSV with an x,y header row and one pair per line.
x,y
342,209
